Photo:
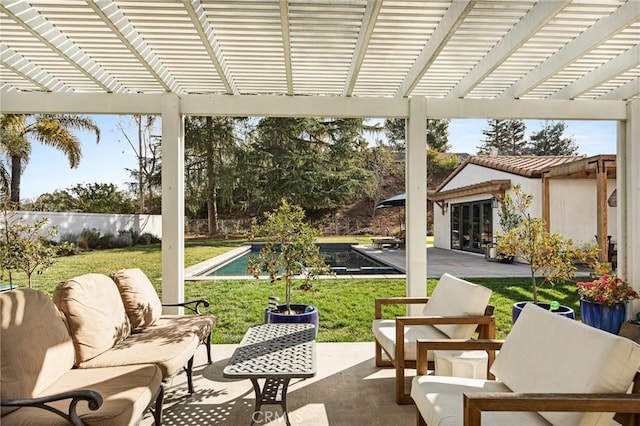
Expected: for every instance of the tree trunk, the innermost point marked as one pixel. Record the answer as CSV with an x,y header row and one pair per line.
x,y
212,194
16,172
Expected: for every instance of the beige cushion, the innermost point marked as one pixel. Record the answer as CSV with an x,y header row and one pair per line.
x,y
35,349
141,302
168,348
126,392
545,352
200,325
439,400
94,312
454,297
385,333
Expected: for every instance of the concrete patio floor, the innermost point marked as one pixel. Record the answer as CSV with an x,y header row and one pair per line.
x,y
348,389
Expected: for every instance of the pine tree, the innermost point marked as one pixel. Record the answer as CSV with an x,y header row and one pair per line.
x,y
506,136
550,141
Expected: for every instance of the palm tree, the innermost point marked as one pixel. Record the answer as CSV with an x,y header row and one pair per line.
x,y
17,130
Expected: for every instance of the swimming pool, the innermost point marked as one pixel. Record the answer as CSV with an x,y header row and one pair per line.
x,y
342,258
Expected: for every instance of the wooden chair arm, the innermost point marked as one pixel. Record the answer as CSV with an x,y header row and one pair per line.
x,y
381,301
196,305
424,345
475,404
93,398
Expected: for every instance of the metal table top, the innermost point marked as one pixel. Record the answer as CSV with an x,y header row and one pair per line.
x,y
274,350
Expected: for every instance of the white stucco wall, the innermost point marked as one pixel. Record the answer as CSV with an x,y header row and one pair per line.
x,y
573,204
574,209
74,223
471,174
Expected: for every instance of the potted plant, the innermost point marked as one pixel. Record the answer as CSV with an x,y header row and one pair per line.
x,y
603,302
551,257
289,253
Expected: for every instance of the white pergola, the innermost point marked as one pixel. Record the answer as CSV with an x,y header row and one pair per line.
x,y
522,59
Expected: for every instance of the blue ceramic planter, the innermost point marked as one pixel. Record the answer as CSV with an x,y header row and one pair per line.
x,y
308,314
605,317
563,310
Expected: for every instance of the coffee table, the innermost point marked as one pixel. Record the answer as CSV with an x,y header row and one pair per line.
x,y
276,353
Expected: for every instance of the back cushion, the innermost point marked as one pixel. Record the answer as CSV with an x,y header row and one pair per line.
x,y
36,349
453,297
94,312
545,352
141,302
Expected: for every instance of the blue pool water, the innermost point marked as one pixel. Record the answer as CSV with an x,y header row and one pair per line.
x,y
341,257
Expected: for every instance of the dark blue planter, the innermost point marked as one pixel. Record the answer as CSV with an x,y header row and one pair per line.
x,y
308,315
605,317
563,310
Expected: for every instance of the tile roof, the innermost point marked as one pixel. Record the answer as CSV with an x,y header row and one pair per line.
x,y
529,166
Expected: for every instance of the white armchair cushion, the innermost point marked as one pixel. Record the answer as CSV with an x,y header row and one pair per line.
x,y
454,297
439,400
385,333
545,352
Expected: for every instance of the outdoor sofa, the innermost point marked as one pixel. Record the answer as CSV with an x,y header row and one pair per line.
x,y
549,370
117,320
39,384
457,309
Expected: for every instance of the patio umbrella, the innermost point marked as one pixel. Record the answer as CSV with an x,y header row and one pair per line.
x,y
395,201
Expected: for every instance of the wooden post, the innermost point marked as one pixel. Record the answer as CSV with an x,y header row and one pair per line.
x,y
601,191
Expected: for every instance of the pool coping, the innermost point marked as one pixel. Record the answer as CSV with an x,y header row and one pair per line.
x,y
192,273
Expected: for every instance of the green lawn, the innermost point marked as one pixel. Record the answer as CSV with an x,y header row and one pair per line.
x,y
346,306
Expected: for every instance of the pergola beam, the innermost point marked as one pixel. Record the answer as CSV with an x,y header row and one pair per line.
x,y
210,43
602,30
603,73
368,23
296,106
22,66
627,91
447,27
537,17
286,44
43,30
118,23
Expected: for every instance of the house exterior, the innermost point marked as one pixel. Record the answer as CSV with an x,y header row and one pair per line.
x,y
570,192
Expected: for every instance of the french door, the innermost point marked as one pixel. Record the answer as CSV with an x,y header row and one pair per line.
x,y
471,226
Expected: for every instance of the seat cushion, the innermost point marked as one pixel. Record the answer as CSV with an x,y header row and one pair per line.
x,y
200,324
545,352
385,333
94,312
439,400
453,297
126,392
36,349
168,348
141,302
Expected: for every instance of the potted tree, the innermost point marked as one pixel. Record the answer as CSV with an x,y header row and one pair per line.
x,y
551,257
289,253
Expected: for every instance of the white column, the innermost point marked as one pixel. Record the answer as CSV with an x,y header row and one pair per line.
x,y
172,203
416,204
628,178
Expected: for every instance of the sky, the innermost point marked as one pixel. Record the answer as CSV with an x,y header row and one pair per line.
x,y
106,162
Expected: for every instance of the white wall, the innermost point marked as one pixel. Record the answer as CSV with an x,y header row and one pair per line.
x,y
573,203
574,209
68,222
472,174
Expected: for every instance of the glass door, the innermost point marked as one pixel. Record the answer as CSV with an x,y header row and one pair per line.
x,y
471,226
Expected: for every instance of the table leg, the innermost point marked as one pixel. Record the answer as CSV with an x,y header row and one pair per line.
x,y
269,395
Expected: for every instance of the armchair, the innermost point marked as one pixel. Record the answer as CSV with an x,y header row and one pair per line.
x,y
551,370
456,309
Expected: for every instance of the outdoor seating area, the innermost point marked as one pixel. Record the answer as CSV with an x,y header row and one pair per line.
x,y
444,368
